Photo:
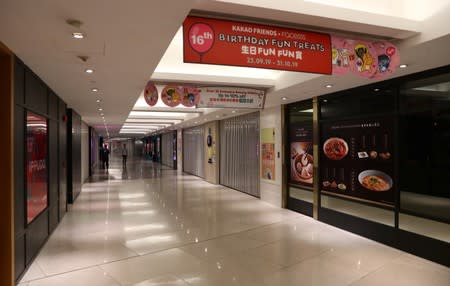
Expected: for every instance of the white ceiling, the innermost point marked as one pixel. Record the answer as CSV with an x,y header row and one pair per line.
x,y
129,42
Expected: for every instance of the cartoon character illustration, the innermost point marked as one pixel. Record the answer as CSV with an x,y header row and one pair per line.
x,y
334,55
344,56
172,95
383,63
364,60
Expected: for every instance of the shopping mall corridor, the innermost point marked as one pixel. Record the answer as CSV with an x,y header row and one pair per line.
x,y
149,225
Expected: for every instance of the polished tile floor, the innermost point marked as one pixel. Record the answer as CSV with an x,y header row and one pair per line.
x,y
146,225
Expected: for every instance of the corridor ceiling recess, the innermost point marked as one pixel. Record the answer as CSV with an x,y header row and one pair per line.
x,y
102,73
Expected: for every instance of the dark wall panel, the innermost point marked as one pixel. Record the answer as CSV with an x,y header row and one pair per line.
x,y
73,156
32,94
37,233
19,82
19,171
53,174
52,105
35,93
19,255
62,151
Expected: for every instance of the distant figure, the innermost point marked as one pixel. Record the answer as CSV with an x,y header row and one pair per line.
x,y
124,155
105,157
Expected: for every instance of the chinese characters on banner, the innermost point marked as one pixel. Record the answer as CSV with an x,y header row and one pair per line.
x,y
36,160
357,160
268,153
231,97
221,42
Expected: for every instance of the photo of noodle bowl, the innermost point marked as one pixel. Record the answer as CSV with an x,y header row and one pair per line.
x,y
375,180
335,148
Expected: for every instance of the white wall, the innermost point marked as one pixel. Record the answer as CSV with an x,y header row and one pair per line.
x,y
84,152
271,190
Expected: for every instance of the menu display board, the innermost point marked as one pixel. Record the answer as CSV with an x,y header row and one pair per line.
x,y
357,160
222,42
301,156
36,165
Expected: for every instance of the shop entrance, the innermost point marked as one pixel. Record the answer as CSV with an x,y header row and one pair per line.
x,y
300,173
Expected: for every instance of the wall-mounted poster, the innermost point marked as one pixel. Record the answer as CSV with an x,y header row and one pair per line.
x,y
356,160
268,153
36,165
301,156
231,97
364,58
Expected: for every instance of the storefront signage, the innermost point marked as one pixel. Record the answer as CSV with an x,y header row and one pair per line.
x,y
212,41
357,160
367,59
301,156
231,97
268,153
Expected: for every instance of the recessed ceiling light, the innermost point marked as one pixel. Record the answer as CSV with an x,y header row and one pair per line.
x,y
402,66
102,114
100,109
329,86
89,70
325,100
376,89
284,98
77,35
94,89
234,111
98,100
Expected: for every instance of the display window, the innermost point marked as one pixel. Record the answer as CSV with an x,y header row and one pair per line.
x,y
36,165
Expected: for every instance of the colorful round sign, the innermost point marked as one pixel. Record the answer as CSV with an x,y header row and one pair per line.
x,y
172,95
151,94
201,37
191,96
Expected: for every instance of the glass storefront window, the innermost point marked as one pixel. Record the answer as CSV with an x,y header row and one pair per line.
x,y
36,165
425,155
300,132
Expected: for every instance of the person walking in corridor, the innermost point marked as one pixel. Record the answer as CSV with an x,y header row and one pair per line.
x,y
124,155
105,156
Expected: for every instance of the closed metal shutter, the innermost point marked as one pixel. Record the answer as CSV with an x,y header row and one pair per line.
x,y
239,153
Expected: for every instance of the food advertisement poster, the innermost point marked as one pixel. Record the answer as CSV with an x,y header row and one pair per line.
x,y
222,42
268,153
357,160
231,97
36,165
301,156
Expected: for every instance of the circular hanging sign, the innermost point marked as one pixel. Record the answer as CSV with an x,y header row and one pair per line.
x,y
191,96
172,95
151,94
